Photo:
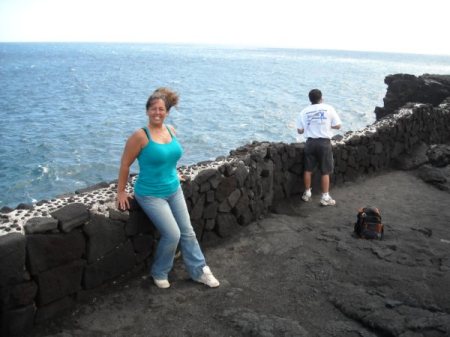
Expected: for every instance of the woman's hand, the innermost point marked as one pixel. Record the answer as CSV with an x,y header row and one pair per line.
x,y
123,202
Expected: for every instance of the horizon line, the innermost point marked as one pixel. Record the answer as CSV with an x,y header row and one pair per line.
x,y
227,45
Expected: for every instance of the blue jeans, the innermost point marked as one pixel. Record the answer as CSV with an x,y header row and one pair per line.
x,y
171,217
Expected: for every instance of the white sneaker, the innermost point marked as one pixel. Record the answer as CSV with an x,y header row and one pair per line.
x,y
163,284
327,201
208,278
306,196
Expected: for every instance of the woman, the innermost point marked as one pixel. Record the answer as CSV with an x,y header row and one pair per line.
x,y
158,192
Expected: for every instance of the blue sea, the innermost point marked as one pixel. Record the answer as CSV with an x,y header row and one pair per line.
x,y
66,109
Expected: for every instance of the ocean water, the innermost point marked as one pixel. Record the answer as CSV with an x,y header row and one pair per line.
x,y
66,110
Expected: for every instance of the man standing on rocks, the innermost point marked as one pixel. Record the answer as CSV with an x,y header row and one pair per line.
x,y
316,122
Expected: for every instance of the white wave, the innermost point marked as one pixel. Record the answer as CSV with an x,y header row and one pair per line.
x,y
44,169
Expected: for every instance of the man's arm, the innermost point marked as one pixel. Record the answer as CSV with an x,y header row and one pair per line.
x,y
336,120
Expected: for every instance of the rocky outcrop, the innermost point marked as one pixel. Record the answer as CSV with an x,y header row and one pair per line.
x,y
432,162
437,170
404,88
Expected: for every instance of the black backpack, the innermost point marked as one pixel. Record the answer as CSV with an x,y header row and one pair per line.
x,y
368,223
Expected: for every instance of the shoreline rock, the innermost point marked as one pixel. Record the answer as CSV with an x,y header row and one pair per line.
x,y
404,88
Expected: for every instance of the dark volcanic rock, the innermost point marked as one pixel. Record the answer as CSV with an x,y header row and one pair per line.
x,y
24,206
411,161
12,258
386,316
431,174
59,282
17,321
439,155
71,216
251,323
103,235
404,88
40,225
6,209
70,247
437,176
437,172
19,295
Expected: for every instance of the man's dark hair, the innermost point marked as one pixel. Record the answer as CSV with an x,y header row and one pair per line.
x,y
315,96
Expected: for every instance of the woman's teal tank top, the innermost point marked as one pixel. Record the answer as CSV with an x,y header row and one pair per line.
x,y
158,175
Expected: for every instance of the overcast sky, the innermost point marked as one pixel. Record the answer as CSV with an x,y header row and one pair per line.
x,y
411,26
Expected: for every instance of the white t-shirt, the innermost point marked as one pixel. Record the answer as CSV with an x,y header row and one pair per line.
x,y
317,120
